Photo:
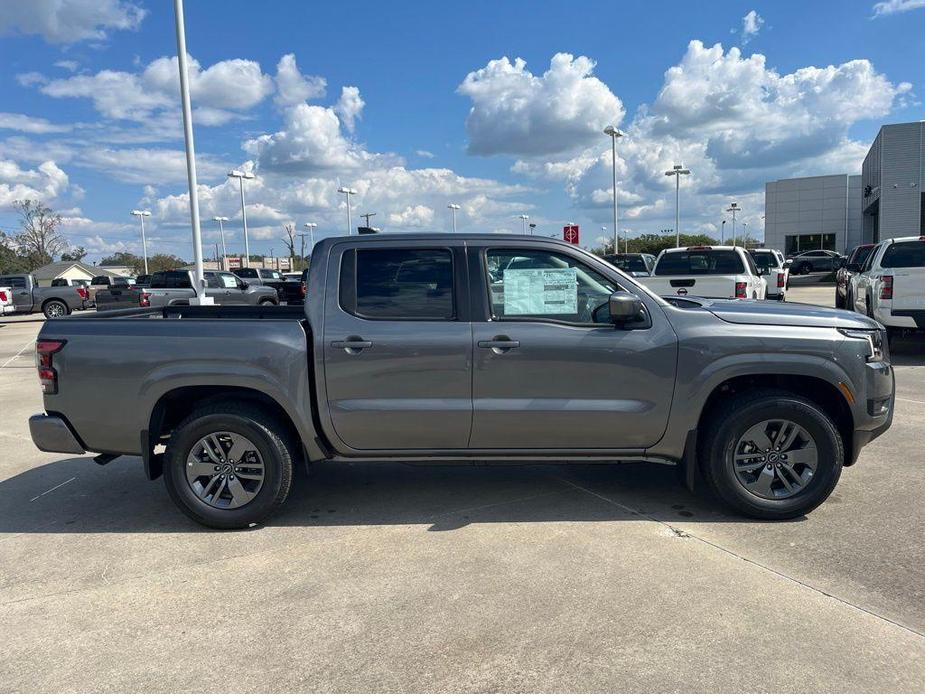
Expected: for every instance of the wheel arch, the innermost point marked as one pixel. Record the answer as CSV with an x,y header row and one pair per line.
x,y
67,309
173,406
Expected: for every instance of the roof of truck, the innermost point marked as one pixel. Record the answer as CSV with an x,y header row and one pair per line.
x,y
438,236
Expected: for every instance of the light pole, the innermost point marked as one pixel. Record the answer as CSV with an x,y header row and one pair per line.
x,y
141,214
200,297
523,222
532,228
744,234
311,230
677,171
734,207
241,176
221,230
454,207
614,134
722,233
347,193
367,216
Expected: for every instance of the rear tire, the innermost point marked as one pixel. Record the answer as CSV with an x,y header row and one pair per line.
x,y
805,269
264,470
787,489
266,302
53,308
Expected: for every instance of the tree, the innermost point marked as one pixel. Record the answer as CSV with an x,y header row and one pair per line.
x,y
165,261
75,254
11,261
655,243
290,243
122,258
39,241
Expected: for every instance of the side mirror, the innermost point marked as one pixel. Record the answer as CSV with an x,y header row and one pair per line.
x,y
762,271
840,263
624,307
853,267
242,285
788,262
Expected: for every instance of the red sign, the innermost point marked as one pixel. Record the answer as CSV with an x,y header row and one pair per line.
x,y
570,233
233,263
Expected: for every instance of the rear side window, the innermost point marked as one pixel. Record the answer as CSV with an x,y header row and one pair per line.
x,y
904,254
706,262
398,283
861,254
100,280
13,282
170,280
246,272
765,261
59,283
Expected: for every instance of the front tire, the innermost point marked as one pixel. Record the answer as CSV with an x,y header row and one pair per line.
x,y
771,454
266,302
805,269
229,466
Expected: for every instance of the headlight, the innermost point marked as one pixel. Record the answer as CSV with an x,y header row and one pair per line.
x,y
874,339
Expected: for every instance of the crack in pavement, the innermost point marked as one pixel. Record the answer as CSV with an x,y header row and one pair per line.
x,y
678,532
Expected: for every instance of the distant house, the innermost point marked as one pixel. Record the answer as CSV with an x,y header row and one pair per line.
x,y
68,269
120,270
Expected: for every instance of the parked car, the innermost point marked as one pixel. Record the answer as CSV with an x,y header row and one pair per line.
x,y
101,282
175,288
635,264
6,301
264,276
815,261
400,355
770,264
890,287
722,272
54,302
853,262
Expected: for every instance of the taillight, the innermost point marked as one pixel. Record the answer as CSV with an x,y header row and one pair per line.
x,y
303,289
740,290
144,300
83,293
48,377
780,280
886,291
2,295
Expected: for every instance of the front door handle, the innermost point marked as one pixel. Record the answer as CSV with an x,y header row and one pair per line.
x,y
500,344
352,345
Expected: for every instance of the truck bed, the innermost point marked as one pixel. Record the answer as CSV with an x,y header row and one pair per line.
x,y
236,312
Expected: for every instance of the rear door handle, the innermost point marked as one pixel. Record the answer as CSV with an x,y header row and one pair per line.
x,y
500,344
352,345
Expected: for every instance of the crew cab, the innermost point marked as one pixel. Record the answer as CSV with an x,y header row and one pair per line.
x,y
54,302
722,272
853,262
436,348
771,265
267,277
175,288
104,282
891,285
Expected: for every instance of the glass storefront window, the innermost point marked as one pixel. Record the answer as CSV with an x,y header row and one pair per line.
x,y
809,242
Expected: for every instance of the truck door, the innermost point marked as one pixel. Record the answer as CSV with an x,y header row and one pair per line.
x,y
398,346
551,371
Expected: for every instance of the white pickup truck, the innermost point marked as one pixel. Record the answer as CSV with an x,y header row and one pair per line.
x,y
714,272
891,285
772,266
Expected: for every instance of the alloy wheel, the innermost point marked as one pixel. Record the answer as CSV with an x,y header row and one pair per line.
x,y
225,470
775,459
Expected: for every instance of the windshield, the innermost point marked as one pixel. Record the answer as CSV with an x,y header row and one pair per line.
x,y
699,262
627,263
765,261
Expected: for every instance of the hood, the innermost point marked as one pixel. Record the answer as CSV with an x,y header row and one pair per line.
x,y
780,313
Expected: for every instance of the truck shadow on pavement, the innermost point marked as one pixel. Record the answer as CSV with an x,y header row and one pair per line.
x,y
77,496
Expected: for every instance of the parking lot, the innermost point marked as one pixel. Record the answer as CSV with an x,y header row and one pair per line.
x,y
395,577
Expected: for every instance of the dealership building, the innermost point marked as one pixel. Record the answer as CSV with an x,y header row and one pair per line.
x,y
840,211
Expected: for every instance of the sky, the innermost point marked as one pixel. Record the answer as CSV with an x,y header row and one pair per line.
x,y
498,107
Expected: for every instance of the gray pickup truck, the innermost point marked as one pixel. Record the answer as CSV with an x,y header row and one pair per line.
x,y
175,288
54,302
455,348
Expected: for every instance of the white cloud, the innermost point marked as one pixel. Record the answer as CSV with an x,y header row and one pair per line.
x,y
146,165
349,107
293,87
29,79
46,182
218,92
897,6
517,112
424,154
69,21
30,124
69,65
751,25
413,216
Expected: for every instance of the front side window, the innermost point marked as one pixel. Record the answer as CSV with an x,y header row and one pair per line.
x,y
699,262
526,284
870,259
764,261
861,254
398,283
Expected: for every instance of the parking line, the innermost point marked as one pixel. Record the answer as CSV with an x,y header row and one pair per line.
x,y
52,489
917,402
25,347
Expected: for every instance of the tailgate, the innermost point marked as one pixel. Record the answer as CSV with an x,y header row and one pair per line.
x,y
112,299
908,289
713,286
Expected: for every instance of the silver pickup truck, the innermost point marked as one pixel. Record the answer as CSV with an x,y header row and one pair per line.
x,y
175,288
455,348
54,302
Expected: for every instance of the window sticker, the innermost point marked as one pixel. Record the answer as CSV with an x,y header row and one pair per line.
x,y
229,281
540,292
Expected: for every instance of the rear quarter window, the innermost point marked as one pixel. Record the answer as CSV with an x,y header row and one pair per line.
x,y
706,262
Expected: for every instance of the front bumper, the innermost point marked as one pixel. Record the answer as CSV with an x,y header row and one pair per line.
x,y
51,433
874,414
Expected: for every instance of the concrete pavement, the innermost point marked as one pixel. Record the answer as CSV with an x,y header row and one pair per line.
x,y
405,578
